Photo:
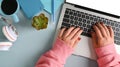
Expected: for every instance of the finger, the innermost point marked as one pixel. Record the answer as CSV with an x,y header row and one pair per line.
x,y
111,31
76,35
106,29
68,32
94,39
101,28
76,42
61,32
73,33
97,31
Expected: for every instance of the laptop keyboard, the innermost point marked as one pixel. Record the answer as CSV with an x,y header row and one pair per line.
x,y
86,21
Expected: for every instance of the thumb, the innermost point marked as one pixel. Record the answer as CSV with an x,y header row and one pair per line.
x,y
94,39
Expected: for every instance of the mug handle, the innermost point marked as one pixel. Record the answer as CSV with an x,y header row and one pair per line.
x,y
15,18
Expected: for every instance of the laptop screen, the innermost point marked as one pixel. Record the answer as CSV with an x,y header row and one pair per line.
x,y
109,6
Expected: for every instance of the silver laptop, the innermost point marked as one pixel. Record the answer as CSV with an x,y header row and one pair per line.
x,y
85,16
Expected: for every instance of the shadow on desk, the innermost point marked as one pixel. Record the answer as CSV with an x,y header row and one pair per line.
x,y
78,61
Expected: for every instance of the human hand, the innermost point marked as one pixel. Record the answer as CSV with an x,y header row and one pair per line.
x,y
70,36
102,36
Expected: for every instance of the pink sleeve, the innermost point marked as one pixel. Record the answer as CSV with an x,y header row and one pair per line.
x,y
107,56
55,57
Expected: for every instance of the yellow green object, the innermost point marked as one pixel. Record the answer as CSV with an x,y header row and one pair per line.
x,y
40,22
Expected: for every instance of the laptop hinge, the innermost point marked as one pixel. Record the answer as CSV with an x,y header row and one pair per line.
x,y
97,11
94,10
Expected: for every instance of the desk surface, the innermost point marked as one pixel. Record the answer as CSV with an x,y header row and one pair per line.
x,y
31,44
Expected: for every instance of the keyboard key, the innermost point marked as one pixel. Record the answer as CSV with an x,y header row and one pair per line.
x,y
66,24
85,29
119,25
83,16
66,16
75,22
83,33
71,13
111,23
72,25
117,29
104,21
68,9
80,19
84,25
87,17
89,30
62,26
80,24
91,18
92,23
117,34
95,19
113,28
99,20
82,12
86,21
75,14
76,18
108,22
71,17
116,25
79,15
118,42
88,26
66,20
71,22
118,38
66,12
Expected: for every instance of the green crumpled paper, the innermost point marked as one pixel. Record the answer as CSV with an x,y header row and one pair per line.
x,y
40,22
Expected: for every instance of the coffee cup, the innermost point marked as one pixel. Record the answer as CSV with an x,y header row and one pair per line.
x,y
9,8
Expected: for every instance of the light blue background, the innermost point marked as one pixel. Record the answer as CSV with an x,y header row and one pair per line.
x,y
31,44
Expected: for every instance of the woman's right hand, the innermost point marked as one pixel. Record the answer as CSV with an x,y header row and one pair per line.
x,y
70,36
102,35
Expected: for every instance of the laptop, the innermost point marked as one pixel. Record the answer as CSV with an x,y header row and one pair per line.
x,y
84,14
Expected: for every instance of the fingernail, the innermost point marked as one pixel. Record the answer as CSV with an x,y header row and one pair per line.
x,y
101,23
79,38
91,31
108,26
81,28
96,23
94,26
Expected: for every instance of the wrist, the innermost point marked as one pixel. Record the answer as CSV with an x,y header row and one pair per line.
x,y
61,50
105,50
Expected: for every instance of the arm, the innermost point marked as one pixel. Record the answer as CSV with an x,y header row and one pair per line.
x,y
62,49
107,56
103,41
57,56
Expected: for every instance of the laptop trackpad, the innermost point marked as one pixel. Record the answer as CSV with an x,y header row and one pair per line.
x,y
85,48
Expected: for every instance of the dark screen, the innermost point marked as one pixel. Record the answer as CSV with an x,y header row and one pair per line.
x,y
9,6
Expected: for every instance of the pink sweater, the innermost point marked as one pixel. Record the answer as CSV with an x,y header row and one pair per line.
x,y
56,57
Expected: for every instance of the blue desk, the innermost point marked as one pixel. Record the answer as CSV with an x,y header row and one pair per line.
x,y
31,44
